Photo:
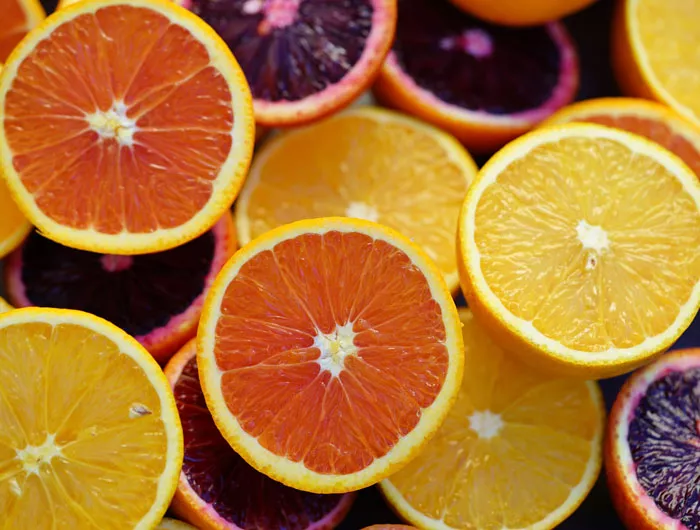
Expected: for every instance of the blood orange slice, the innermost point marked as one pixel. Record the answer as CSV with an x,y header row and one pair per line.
x,y
652,454
118,153
18,17
329,353
156,298
646,118
485,84
304,59
218,489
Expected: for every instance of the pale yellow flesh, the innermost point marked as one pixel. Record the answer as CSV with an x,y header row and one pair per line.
x,y
82,439
369,164
585,291
533,472
667,31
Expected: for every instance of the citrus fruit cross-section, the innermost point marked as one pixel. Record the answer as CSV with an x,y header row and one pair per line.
x,y
650,119
156,298
108,150
655,52
366,163
329,351
218,489
304,59
651,446
89,431
579,248
18,17
484,84
508,455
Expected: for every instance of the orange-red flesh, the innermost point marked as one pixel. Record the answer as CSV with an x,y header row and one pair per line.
x,y
284,298
111,63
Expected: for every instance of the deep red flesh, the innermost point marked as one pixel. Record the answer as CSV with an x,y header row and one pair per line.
x,y
665,444
325,40
139,298
471,64
238,493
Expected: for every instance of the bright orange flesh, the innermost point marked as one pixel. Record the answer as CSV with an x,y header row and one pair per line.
x,y
79,96
13,225
18,17
272,380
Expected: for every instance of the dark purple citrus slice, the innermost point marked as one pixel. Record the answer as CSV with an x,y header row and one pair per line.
x,y
303,59
484,83
653,445
157,298
218,489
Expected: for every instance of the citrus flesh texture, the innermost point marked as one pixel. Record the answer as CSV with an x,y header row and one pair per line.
x,y
156,298
366,163
303,60
654,121
218,489
579,246
18,17
361,359
90,434
457,72
116,153
508,455
655,47
651,455
173,524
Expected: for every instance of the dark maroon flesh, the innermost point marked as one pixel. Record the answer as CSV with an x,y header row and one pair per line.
x,y
237,492
519,73
138,299
325,40
665,443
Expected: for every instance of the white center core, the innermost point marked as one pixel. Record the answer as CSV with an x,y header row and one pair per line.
x,y
33,457
335,347
592,237
362,210
113,123
475,42
485,424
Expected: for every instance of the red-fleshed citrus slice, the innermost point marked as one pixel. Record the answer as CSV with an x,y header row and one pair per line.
x,y
304,59
329,353
140,133
485,84
646,118
18,17
218,489
156,298
652,446
89,431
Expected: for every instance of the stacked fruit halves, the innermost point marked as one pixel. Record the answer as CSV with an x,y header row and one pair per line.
x,y
328,354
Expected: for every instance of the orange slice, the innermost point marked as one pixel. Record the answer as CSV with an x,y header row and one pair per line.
x,y
655,52
329,352
14,226
89,430
109,151
366,163
4,306
579,248
66,3
18,17
652,120
519,448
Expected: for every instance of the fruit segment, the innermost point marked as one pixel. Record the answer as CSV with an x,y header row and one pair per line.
x,y
18,17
